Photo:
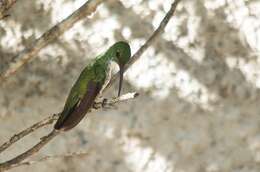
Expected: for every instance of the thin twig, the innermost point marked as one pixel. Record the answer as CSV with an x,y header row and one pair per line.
x,y
23,57
5,5
150,41
8,164
113,101
18,136
54,157
50,119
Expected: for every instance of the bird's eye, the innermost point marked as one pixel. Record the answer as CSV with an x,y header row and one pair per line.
x,y
117,54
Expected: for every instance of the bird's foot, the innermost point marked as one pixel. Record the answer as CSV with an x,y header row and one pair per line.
x,y
106,104
96,105
102,104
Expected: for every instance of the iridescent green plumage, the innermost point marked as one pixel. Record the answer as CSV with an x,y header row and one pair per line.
x,y
89,84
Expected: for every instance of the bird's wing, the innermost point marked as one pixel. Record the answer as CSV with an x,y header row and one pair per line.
x,y
74,97
79,110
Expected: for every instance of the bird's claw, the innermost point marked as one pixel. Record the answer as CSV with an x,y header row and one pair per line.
x,y
106,105
102,104
95,105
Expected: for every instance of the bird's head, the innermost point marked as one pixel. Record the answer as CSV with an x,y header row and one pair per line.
x,y
120,52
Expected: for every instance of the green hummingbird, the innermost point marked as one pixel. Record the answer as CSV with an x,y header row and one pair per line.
x,y
91,83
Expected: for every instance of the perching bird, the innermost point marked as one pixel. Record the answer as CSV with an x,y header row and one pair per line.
x,y
90,84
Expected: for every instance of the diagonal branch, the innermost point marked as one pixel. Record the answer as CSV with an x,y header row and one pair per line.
x,y
47,158
23,133
150,41
27,54
8,164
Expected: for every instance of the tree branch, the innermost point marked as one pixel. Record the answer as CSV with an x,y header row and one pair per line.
x,y
20,135
47,158
150,41
44,140
27,54
5,5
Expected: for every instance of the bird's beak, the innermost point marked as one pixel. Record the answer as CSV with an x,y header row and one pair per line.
x,y
121,77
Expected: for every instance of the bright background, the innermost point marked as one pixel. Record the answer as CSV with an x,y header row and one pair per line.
x,y
199,83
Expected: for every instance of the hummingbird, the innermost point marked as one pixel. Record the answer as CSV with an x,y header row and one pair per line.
x,y
90,84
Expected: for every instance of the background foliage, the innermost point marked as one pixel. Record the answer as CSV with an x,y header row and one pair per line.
x,y
199,84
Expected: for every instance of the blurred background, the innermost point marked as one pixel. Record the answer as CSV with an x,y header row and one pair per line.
x,y
198,109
